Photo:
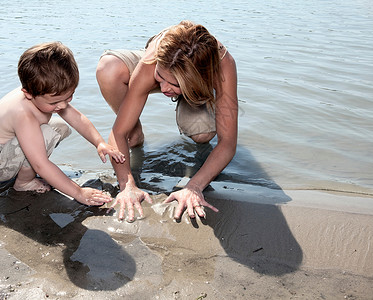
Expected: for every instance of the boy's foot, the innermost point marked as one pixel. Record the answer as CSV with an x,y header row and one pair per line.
x,y
35,185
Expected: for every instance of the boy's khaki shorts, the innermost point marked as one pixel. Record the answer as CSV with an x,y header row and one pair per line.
x,y
12,158
190,120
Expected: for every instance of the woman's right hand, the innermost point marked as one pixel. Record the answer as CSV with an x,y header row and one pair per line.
x,y
130,198
90,196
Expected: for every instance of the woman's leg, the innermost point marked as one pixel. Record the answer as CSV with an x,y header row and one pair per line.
x,y
202,138
136,137
113,77
198,123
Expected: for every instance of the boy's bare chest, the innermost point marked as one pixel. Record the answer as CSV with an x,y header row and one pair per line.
x,y
43,118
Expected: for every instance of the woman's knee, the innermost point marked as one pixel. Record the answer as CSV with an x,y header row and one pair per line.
x,y
112,76
136,137
111,69
203,138
136,140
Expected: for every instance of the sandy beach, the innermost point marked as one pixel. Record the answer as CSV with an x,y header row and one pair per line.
x,y
263,244
305,132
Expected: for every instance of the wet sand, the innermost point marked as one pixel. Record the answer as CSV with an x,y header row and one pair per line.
x,y
263,244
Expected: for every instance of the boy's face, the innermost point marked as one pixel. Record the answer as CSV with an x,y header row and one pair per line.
x,y
51,103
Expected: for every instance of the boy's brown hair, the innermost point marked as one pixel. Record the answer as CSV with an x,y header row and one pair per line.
x,y
48,68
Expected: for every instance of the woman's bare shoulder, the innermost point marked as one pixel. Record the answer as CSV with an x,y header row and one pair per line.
x,y
222,50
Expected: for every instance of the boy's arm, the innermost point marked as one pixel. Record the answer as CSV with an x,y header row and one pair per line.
x,y
86,129
81,124
31,140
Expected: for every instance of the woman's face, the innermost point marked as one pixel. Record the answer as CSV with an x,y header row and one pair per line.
x,y
167,82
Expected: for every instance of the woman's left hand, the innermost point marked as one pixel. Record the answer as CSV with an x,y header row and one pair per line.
x,y
191,199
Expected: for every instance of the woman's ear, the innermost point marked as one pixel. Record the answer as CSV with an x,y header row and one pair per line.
x,y
27,94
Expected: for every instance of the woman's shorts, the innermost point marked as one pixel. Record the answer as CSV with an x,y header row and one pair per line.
x,y
190,120
12,158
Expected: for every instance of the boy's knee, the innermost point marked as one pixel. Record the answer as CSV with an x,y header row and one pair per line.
x,y
60,127
203,138
54,132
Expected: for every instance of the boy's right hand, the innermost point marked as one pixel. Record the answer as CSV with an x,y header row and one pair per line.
x,y
106,149
90,196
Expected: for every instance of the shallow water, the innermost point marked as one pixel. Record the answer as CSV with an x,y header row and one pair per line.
x,y
305,85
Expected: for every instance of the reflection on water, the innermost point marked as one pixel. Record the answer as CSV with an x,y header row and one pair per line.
x,y
305,81
161,169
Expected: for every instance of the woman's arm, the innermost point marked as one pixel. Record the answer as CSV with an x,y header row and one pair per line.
x,y
191,196
226,116
141,82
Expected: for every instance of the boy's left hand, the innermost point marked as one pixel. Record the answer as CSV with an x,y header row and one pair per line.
x,y
106,149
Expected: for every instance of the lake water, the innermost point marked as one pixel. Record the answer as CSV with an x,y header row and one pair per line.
x,y
305,85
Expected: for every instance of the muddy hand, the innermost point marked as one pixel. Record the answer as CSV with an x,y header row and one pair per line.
x,y
95,197
191,200
131,198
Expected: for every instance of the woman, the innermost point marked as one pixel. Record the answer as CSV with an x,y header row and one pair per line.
x,y
189,65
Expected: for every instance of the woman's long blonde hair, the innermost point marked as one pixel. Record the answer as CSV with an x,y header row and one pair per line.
x,y
191,54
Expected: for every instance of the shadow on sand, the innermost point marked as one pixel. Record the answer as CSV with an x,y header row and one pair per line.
x,y
250,225
91,258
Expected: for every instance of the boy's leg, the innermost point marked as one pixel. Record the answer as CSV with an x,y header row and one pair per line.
x,y
26,181
11,159
59,126
53,133
198,123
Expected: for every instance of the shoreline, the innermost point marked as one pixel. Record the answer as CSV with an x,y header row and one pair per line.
x,y
282,244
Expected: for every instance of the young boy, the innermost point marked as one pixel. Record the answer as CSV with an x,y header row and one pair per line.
x,y
49,76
